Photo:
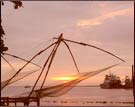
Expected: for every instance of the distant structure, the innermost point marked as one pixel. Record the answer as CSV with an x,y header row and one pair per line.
x,y
112,81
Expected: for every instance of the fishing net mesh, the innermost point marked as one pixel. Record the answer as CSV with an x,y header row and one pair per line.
x,y
60,89
17,78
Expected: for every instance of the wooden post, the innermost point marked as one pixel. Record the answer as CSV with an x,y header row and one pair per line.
x,y
133,79
7,101
15,103
38,101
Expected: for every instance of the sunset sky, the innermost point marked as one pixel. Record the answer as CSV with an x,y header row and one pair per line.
x,y
105,24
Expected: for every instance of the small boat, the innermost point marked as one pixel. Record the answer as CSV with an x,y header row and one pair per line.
x,y
27,86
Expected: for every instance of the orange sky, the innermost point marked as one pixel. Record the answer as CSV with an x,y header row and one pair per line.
x,y
105,24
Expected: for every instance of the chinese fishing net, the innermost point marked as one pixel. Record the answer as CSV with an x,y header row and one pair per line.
x,y
60,89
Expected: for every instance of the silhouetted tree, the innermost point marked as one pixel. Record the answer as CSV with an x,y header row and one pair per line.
x,y
2,32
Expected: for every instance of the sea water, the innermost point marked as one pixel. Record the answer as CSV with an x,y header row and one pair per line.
x,y
83,96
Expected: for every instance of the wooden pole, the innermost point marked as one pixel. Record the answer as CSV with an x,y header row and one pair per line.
x,y
7,101
84,44
133,79
72,56
38,102
41,72
15,103
52,57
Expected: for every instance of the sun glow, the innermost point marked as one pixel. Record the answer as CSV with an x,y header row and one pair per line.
x,y
64,78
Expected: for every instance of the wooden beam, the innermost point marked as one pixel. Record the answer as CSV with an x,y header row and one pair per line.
x,y
25,100
84,44
72,56
52,57
41,72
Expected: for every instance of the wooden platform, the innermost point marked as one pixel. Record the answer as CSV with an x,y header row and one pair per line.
x,y
5,101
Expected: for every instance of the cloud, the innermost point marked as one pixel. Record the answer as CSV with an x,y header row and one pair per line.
x,y
99,20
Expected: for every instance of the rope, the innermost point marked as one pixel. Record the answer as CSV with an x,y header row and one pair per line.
x,y
37,46
21,59
28,63
8,63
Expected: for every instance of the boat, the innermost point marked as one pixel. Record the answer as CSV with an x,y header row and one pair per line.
x,y
27,86
112,81
128,83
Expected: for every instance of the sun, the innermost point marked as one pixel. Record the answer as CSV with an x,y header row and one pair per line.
x,y
64,78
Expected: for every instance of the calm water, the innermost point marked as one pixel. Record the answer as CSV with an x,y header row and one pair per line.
x,y
86,96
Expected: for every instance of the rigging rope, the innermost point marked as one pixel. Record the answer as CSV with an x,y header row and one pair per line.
x,y
21,59
8,63
38,45
28,63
